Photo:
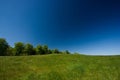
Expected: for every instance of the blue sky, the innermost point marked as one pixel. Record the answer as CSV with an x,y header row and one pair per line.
x,y
84,26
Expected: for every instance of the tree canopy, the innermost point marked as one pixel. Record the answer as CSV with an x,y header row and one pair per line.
x,y
21,48
3,46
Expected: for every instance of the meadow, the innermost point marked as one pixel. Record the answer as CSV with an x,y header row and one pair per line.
x,y
60,67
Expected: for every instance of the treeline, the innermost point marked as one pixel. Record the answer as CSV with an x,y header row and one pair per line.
x,y
21,48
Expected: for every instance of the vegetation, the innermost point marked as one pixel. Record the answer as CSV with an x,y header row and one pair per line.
x,y
60,67
3,47
57,65
25,49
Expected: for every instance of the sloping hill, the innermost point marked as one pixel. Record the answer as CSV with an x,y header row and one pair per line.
x,y
60,67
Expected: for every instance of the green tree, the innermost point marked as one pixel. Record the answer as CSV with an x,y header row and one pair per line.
x,y
45,49
19,48
10,51
28,49
3,47
39,49
56,51
33,51
49,51
67,52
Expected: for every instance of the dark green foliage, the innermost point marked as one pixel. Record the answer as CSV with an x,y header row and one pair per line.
x,y
19,48
28,49
25,49
67,52
10,52
45,49
3,47
34,51
39,49
49,51
56,51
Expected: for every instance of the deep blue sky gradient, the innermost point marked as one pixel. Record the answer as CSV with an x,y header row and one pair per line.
x,y
85,26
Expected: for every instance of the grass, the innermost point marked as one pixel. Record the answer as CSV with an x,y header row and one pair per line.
x,y
60,67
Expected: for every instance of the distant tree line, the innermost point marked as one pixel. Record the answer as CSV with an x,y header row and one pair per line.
x,y
26,49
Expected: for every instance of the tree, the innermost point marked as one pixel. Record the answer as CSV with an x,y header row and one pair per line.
x,y
34,51
19,48
28,49
3,47
49,51
45,49
67,52
56,51
10,51
39,49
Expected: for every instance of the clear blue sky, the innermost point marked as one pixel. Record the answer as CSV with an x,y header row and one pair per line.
x,y
84,26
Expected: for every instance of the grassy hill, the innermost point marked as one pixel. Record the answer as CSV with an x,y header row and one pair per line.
x,y
60,67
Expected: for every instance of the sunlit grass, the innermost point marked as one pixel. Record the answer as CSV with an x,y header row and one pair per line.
x,y
60,67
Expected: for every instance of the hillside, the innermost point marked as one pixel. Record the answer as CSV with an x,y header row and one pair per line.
x,y
60,67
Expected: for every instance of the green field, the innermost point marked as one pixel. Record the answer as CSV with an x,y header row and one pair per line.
x,y
60,67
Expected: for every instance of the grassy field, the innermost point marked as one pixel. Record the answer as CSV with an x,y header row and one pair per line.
x,y
60,67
